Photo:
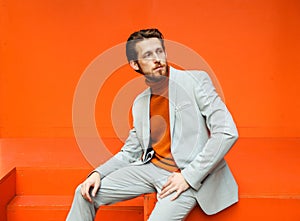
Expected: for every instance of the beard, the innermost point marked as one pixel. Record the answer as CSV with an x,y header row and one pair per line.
x,y
154,78
157,75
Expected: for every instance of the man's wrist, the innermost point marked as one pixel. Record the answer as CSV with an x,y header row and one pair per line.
x,y
93,172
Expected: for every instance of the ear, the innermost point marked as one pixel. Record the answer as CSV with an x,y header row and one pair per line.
x,y
134,65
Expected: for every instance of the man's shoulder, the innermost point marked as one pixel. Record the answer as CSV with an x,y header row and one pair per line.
x,y
179,75
143,95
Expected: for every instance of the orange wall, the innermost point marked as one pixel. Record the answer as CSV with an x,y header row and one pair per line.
x,y
252,46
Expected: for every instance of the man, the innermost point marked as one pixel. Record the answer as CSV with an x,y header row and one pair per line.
x,y
181,132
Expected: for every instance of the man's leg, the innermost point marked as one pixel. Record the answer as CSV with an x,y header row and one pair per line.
x,y
175,210
178,209
123,184
81,209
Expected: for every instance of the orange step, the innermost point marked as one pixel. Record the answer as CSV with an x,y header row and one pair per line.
x,y
38,207
48,192
33,201
7,191
248,208
267,171
55,208
24,208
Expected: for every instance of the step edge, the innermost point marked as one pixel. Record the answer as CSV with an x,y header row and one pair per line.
x,y
65,200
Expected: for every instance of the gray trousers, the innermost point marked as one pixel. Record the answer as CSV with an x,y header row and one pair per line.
x,y
127,183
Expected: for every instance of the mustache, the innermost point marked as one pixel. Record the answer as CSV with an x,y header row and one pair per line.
x,y
159,66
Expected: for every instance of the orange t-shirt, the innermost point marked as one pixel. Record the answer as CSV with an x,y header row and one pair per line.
x,y
160,126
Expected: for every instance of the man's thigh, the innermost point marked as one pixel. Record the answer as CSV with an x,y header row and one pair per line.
x,y
178,209
126,183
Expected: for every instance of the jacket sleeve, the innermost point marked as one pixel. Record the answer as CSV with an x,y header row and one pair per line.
x,y
223,132
130,153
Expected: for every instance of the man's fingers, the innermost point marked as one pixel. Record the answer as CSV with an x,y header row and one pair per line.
x,y
176,195
92,181
94,191
167,188
171,191
85,191
176,182
96,187
167,191
166,184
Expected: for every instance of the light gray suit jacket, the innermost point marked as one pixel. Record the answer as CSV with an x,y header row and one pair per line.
x,y
202,132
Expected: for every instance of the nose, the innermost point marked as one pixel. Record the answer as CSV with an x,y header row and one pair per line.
x,y
156,57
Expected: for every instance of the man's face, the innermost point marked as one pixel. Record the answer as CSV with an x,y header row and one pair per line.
x,y
152,60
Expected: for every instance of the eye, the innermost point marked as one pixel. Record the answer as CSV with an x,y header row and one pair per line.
x,y
147,55
160,50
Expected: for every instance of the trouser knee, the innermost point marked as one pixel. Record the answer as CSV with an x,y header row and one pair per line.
x,y
78,196
78,191
81,209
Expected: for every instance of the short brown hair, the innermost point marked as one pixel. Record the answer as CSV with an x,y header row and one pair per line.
x,y
138,36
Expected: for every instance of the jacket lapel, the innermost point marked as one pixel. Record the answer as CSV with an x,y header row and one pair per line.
x,y
146,117
172,100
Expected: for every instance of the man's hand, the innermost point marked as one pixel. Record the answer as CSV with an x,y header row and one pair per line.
x,y
92,181
176,183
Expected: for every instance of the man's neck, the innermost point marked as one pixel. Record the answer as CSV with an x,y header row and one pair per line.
x,y
158,87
